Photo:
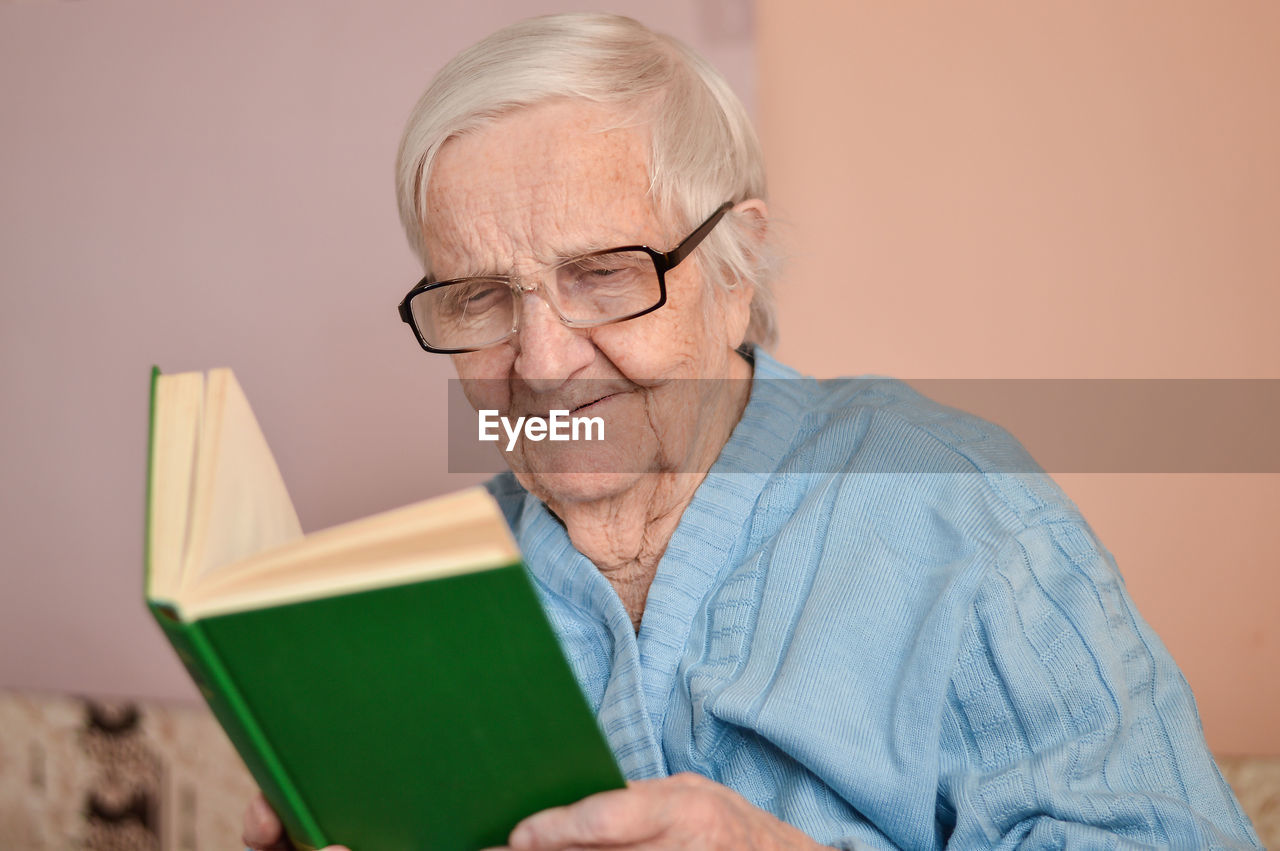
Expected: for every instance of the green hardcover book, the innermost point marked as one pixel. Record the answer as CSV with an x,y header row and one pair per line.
x,y
391,683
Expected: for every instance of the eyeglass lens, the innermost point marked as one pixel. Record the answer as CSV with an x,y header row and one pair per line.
x,y
591,290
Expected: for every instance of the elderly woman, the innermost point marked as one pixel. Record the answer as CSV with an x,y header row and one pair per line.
x,y
805,612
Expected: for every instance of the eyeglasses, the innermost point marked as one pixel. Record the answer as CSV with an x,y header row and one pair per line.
x,y
600,288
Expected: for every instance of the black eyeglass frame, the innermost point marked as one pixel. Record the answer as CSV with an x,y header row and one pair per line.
x,y
663,262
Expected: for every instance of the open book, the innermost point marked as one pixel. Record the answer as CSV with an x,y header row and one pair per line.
x,y
391,683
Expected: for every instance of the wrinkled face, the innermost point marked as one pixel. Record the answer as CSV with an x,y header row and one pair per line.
x,y
539,186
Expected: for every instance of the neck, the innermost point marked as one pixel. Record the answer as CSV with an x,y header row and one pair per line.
x,y
625,534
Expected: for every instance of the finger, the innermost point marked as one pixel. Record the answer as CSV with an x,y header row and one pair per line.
x,y
262,829
619,817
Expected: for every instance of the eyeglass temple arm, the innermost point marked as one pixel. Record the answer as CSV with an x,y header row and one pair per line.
x,y
685,248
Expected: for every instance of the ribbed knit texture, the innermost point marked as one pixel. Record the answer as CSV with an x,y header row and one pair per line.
x,y
917,660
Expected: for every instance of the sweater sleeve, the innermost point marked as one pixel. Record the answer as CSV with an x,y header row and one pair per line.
x,y
1067,723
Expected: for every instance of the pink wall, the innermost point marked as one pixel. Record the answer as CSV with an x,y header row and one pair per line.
x,y
1057,189
198,185
205,184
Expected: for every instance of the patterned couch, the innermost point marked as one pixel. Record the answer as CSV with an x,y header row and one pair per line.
x,y
122,776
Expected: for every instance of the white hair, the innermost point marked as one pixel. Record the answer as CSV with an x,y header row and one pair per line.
x,y
703,148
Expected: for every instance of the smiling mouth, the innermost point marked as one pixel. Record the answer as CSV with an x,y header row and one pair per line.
x,y
586,407
592,403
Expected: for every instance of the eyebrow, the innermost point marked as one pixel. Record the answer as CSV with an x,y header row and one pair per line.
x,y
467,270
581,249
577,250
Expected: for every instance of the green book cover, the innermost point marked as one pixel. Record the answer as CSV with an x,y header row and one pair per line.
x,y
391,683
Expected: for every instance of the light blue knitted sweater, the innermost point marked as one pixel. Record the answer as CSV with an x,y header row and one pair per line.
x,y
940,656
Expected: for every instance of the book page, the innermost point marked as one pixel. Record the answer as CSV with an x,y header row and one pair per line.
x,y
241,506
459,533
177,408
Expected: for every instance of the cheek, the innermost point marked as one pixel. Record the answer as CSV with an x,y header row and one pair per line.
x,y
485,375
683,331
698,311
638,349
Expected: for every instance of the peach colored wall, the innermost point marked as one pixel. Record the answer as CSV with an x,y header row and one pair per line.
x,y
206,184
1055,189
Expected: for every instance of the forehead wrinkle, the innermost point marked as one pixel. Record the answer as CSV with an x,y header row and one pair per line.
x,y
537,186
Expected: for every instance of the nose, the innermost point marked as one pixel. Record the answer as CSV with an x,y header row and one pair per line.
x,y
548,352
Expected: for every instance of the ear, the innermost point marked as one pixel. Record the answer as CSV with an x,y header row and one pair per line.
x,y
754,219
757,208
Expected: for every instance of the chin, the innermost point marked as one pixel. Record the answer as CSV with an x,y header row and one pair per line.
x,y
566,472
558,489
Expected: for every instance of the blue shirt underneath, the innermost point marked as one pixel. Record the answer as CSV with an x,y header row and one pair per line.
x,y
939,656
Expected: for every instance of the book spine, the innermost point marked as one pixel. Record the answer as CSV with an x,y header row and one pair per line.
x,y
151,464
227,704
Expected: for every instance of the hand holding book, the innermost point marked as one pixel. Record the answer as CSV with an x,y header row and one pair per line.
x,y
686,811
419,724
264,832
